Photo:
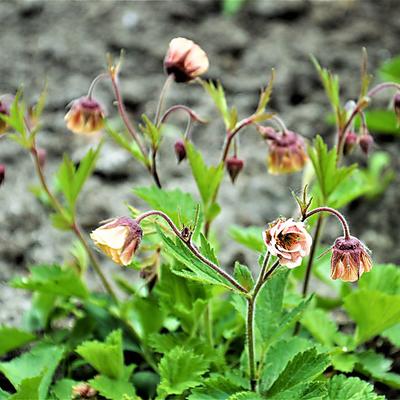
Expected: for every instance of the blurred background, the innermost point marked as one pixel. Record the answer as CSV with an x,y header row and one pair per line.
x,y
65,43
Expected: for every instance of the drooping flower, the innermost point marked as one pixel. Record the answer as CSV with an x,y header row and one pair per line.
x,y
119,239
185,60
287,151
86,116
350,142
288,240
366,142
234,165
350,259
180,150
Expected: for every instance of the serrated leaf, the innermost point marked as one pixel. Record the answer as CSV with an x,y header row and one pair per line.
x,y
216,92
373,311
250,237
265,95
320,326
303,368
207,178
180,369
40,361
329,175
201,271
113,389
12,338
178,205
277,358
245,396
307,391
383,278
29,388
243,275
343,388
151,131
106,357
62,389
393,334
52,279
378,367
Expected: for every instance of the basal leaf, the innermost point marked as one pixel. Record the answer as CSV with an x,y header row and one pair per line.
x,y
373,311
384,278
180,369
106,357
12,338
113,389
343,388
62,389
29,388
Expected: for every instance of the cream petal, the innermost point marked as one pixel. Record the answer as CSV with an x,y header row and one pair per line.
x,y
111,237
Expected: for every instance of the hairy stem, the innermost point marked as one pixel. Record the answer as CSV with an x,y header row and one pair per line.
x,y
161,99
188,243
383,86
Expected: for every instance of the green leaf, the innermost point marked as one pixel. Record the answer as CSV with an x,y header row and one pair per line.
x,y
62,389
207,178
393,334
106,357
178,205
12,338
38,316
250,237
196,269
16,120
151,131
373,312
277,358
269,304
383,278
320,326
378,367
328,174
343,362
307,391
113,389
243,275
41,360
265,96
180,369
390,70
181,298
303,368
216,387
381,121
343,388
29,388
232,7
245,396
216,92
52,279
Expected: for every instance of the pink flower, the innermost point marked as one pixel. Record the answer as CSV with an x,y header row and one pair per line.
x,y
350,259
288,240
185,60
118,239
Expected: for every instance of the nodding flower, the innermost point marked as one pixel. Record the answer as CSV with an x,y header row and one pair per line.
x,y
86,116
180,150
350,259
288,240
234,165
185,60
350,142
287,151
366,142
118,239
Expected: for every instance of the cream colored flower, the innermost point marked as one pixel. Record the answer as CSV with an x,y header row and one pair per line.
x,y
118,239
288,240
185,60
86,116
350,259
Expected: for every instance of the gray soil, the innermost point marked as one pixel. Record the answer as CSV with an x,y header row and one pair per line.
x,y
66,43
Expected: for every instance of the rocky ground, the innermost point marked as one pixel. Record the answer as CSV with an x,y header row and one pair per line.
x,y
66,42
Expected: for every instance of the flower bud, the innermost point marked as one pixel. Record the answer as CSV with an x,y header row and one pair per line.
x,y
185,60
83,391
180,150
350,259
287,151
2,173
86,116
234,165
42,155
288,240
5,104
396,104
118,239
350,142
366,142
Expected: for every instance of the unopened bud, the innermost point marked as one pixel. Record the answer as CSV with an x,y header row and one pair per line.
x,y
350,142
234,165
42,155
396,104
185,60
180,150
83,391
2,173
86,116
366,143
